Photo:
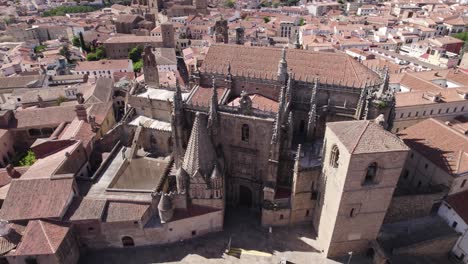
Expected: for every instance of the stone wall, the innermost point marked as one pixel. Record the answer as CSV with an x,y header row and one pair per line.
x,y
436,247
407,207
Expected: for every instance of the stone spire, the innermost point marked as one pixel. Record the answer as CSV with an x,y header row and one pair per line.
x,y
362,102
312,112
279,115
200,155
282,67
228,79
213,111
150,68
288,95
177,123
385,81
165,208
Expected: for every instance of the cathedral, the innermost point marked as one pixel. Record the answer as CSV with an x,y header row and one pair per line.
x,y
295,135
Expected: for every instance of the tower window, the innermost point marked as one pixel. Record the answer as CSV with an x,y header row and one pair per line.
x,y
334,156
352,213
371,173
463,183
245,133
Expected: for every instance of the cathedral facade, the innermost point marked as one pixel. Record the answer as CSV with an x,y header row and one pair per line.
x,y
285,133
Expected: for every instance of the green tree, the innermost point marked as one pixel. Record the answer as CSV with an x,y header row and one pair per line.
x,y
28,159
39,48
266,19
82,42
135,54
76,41
137,66
62,10
462,36
230,3
91,57
100,53
301,21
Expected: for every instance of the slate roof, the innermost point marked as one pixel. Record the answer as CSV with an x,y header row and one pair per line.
x,y
200,154
262,62
37,198
365,136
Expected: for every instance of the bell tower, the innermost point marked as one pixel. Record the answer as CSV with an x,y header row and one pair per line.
x,y
361,166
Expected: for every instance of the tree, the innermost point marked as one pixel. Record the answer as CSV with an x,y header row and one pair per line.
x,y
91,57
76,41
301,21
28,159
100,53
230,3
135,54
39,48
82,42
266,19
137,66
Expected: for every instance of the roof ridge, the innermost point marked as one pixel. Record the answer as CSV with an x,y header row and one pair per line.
x,y
45,234
360,136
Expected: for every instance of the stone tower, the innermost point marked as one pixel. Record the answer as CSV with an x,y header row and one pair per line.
x,y
361,166
221,31
201,6
167,33
150,68
240,35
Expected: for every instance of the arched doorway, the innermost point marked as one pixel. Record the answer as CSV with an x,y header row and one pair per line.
x,y
245,196
127,241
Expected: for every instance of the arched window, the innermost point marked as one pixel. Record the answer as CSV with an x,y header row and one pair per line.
x,y
245,133
127,241
334,156
371,173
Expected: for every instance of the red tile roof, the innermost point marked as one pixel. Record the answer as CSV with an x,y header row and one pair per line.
x,y
39,198
459,204
42,238
439,143
124,211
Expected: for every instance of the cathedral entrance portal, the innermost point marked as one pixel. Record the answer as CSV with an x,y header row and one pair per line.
x,y
245,196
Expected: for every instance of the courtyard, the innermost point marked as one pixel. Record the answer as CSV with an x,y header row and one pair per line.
x,y
249,243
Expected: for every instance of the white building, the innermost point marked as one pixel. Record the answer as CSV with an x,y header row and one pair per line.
x,y
454,210
103,68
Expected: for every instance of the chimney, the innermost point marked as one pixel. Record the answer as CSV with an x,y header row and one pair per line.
x,y
12,171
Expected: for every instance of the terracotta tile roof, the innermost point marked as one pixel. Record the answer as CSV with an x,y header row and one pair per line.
x,y
102,65
12,239
201,96
85,209
38,198
21,81
134,39
439,143
425,98
48,166
262,62
259,102
366,136
124,211
41,238
459,204
41,117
